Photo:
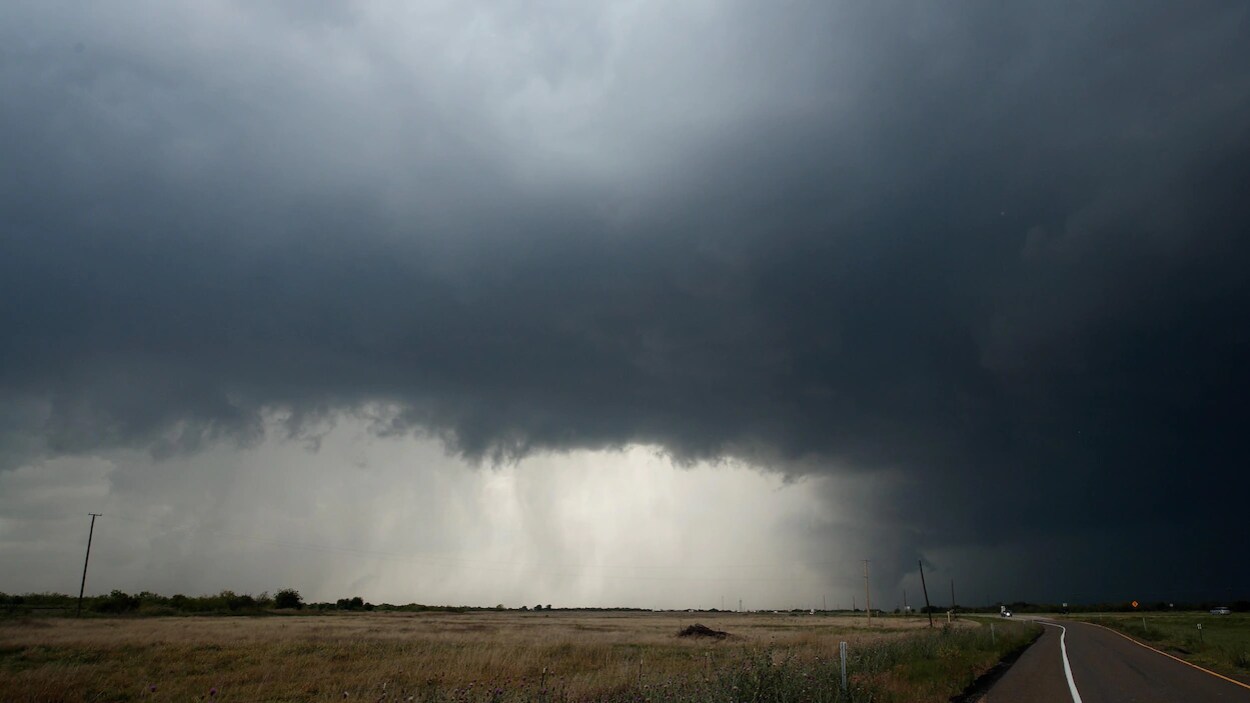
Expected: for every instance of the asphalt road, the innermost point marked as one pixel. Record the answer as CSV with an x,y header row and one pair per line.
x,y
1100,666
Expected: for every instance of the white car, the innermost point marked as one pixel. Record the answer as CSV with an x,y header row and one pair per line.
x,y
1005,613
1221,610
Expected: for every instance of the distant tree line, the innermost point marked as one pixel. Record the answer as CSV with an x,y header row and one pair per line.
x,y
223,603
148,603
288,599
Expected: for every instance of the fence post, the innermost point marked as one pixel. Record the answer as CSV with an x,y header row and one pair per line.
x,y
842,653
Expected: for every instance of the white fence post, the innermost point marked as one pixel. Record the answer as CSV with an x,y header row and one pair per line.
x,y
842,652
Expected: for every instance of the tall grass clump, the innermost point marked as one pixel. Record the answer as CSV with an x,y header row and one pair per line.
x,y
1237,655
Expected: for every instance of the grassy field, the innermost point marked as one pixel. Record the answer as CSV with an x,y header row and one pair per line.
x,y
491,657
1222,645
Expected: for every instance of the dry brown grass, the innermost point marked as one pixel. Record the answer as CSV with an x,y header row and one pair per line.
x,y
321,657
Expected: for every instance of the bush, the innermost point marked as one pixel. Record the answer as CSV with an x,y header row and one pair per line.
x,y
235,601
288,598
356,603
116,602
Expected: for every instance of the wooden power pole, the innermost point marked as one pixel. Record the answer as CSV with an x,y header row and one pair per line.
x,y
82,586
928,609
867,594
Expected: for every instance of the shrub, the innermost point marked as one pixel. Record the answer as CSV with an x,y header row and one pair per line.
x,y
288,598
116,602
235,601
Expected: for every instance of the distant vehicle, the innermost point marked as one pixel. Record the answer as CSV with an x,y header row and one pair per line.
x,y
1004,611
1221,610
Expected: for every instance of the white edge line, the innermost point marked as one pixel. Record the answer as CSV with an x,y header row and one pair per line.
x,y
1067,668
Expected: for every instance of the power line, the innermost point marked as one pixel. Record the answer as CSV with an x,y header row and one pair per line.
x,y
503,567
497,567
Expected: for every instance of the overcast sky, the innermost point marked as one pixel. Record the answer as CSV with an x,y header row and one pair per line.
x,y
632,302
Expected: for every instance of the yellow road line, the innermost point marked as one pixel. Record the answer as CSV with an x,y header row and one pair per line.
x,y
1169,656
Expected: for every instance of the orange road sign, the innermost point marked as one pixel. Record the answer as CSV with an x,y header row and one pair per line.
x,y
1134,604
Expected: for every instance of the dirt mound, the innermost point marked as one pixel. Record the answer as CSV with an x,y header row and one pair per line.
x,y
697,630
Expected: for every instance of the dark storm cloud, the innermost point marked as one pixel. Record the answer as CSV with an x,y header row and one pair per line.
x,y
998,252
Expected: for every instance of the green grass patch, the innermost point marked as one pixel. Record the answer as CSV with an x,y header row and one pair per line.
x,y
942,663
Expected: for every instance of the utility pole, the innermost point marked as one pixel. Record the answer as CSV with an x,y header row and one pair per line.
x,y
83,586
824,603
952,595
928,609
905,601
867,594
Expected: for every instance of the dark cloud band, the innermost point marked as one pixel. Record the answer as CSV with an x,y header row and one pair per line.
x,y
999,252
